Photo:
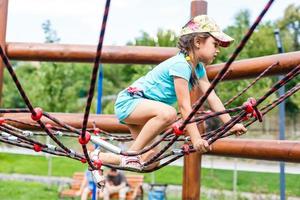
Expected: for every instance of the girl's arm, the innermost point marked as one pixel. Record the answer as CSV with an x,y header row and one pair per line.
x,y
213,100
216,105
185,108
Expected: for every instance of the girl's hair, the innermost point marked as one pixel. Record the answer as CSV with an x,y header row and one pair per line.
x,y
186,46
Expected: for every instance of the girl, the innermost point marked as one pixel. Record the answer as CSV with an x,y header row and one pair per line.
x,y
146,105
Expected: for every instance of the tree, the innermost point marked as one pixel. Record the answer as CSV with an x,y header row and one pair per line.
x,y
264,36
290,24
50,33
119,77
289,27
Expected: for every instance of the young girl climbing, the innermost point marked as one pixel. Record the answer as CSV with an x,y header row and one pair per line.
x,y
145,106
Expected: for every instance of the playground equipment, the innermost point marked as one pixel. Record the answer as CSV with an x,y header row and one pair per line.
x,y
12,124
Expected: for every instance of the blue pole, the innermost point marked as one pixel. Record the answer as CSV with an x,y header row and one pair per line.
x,y
281,119
99,111
99,97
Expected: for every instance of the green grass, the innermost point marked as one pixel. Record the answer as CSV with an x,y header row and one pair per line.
x,y
210,178
38,165
11,190
222,179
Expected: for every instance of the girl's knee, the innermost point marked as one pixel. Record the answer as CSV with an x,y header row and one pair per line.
x,y
168,116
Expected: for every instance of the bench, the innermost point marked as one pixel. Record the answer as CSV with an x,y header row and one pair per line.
x,y
135,183
74,190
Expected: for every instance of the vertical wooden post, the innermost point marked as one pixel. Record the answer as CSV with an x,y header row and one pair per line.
x,y
3,22
192,163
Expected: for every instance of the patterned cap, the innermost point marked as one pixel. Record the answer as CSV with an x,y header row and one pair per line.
x,y
204,24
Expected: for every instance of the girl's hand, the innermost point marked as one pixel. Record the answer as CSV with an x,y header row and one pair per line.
x,y
201,145
238,129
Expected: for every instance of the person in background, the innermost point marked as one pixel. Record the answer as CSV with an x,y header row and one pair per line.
x,y
86,188
115,183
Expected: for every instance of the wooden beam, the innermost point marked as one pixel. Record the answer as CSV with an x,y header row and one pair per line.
x,y
279,150
248,68
86,53
276,150
3,22
105,122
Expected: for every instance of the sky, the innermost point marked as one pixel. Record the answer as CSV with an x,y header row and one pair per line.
x,y
79,21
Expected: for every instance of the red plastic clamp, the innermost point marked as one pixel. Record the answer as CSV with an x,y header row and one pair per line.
x,y
97,131
86,139
38,114
49,126
2,120
37,148
252,109
98,163
176,129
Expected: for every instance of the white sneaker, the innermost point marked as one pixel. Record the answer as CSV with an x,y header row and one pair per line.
x,y
98,178
131,162
94,155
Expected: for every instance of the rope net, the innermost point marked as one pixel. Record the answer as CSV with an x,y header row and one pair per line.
x,y
247,113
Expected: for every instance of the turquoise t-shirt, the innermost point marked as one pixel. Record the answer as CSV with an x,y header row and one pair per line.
x,y
158,84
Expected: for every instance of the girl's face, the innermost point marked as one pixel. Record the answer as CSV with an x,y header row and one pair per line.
x,y
207,50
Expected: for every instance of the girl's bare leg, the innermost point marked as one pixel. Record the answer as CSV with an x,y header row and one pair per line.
x,y
147,120
155,116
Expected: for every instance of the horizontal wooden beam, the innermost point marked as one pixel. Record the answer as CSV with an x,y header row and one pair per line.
x,y
247,68
86,53
251,68
277,150
280,150
105,122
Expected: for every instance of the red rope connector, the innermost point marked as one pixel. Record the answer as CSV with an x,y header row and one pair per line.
x,y
49,126
86,138
38,114
37,148
186,149
176,129
97,131
2,120
252,110
249,107
98,163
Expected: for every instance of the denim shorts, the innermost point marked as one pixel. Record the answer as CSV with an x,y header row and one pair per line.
x,y
125,104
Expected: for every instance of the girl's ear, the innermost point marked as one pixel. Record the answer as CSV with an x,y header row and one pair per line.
x,y
197,41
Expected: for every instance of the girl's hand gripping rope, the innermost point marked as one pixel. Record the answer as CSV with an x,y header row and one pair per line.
x,y
200,144
238,129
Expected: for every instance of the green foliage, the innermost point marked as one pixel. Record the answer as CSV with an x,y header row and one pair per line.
x,y
55,87
163,38
290,24
50,33
261,43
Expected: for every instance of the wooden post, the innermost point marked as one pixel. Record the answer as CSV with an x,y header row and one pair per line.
x,y
3,22
192,163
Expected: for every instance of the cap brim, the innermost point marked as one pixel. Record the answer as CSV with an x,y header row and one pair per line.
x,y
224,39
